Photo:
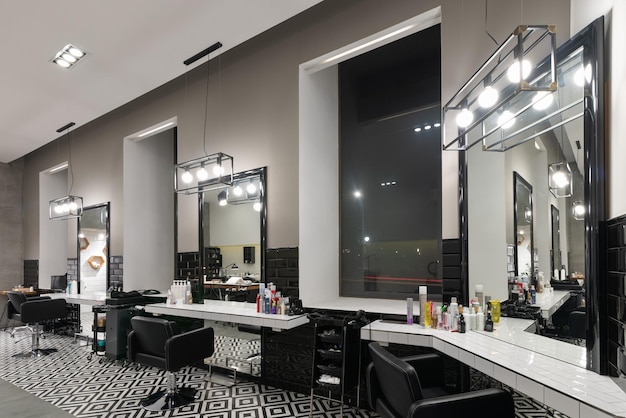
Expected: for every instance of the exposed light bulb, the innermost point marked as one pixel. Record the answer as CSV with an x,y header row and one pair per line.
x,y
542,100
65,208
58,209
506,119
560,179
257,206
465,118
202,174
579,209
513,72
237,190
357,194
251,188
187,177
218,170
73,206
366,239
488,97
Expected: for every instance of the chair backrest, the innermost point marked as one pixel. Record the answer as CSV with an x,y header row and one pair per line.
x,y
16,299
152,333
397,380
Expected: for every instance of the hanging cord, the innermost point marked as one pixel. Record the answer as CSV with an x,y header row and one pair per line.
x,y
206,106
487,20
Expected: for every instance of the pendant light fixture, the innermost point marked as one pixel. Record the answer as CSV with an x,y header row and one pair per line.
x,y
66,207
502,90
212,171
560,179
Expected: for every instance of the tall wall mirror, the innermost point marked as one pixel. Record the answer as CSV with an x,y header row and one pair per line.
x,y
232,234
93,250
550,187
523,228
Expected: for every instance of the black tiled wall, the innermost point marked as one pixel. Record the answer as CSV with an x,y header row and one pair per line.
x,y
72,269
31,272
282,269
116,271
187,264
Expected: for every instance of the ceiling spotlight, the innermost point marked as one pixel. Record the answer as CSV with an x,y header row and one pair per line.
x,y
222,198
68,56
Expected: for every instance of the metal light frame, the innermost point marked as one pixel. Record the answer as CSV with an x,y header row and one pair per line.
x,y
532,43
219,174
556,189
67,207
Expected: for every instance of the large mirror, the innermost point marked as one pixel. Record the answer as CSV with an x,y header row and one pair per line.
x,y
232,231
523,228
553,183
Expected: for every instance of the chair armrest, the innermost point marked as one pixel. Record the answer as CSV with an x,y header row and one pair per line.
x,y
190,347
487,402
429,368
373,390
43,309
131,341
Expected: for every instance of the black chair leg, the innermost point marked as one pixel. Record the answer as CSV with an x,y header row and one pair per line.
x,y
170,398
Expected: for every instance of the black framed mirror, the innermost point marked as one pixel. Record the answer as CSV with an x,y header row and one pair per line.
x,y
555,228
523,229
574,136
93,249
232,230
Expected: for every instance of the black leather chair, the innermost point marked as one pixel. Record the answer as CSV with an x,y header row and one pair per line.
x,y
395,390
32,311
158,343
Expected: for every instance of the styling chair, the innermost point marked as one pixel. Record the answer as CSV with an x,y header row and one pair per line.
x,y
157,342
32,311
395,390
577,323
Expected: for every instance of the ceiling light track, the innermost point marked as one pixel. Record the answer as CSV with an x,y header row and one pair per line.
x,y
203,53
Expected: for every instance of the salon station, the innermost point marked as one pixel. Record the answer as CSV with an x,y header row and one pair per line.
x,y
368,210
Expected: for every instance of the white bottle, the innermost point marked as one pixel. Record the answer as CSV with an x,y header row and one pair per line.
x,y
480,320
454,315
480,296
472,319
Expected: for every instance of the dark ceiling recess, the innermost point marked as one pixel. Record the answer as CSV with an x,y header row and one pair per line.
x,y
399,77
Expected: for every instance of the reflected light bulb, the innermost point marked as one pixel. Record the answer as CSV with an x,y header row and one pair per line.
x,y
366,239
251,188
218,170
506,119
579,77
488,97
202,174
542,100
58,209
257,206
579,209
73,206
513,72
237,190
560,179
465,118
187,177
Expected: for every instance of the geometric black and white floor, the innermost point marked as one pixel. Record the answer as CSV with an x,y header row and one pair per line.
x,y
87,388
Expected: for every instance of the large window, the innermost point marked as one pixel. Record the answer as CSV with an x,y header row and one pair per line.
x,y
390,168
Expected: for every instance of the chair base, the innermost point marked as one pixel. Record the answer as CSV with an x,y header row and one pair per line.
x,y
164,401
39,352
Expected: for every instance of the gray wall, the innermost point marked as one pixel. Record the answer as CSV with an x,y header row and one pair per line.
x,y
253,107
11,243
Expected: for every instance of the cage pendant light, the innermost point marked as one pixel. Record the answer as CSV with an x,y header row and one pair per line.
x,y
70,206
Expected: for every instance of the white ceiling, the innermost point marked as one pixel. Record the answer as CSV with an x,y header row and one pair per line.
x,y
134,46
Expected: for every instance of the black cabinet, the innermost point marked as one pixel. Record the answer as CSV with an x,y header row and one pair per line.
x,y
213,263
336,360
248,255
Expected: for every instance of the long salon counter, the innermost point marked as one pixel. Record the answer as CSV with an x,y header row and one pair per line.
x,y
234,312
526,362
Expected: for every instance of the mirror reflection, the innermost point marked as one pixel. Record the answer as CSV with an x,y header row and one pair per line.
x,y
232,237
531,197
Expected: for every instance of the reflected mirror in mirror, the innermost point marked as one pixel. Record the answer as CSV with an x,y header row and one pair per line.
x,y
93,228
523,230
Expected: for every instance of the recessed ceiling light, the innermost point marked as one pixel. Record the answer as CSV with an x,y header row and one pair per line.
x,y
418,129
427,127
68,56
436,125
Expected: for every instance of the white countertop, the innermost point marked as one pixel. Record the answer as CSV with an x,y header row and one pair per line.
x,y
551,300
79,298
571,389
235,312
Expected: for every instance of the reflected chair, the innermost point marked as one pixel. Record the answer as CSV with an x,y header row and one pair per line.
x,y
157,342
32,311
395,389
577,323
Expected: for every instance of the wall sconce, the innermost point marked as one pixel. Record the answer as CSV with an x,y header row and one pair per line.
x,y
578,210
513,84
560,179
66,207
202,174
